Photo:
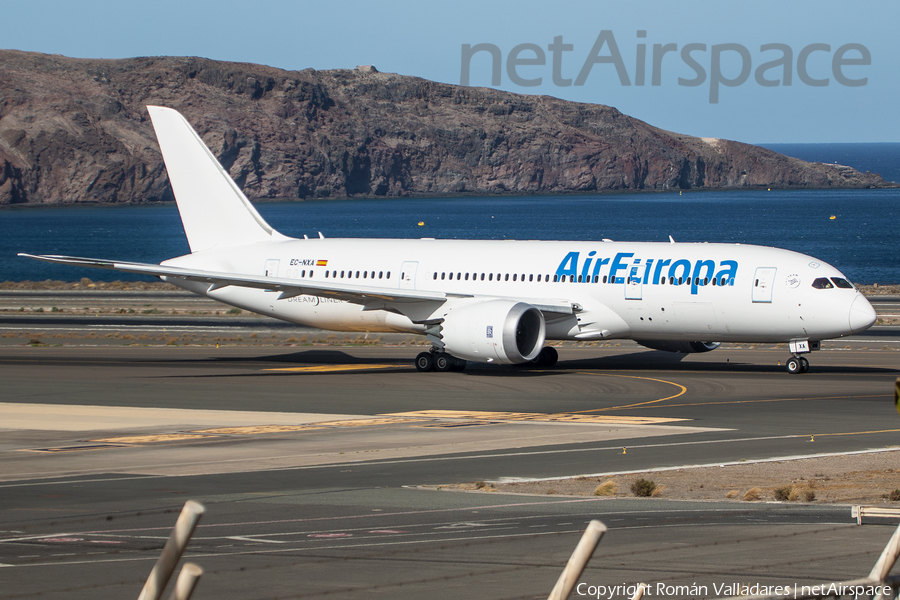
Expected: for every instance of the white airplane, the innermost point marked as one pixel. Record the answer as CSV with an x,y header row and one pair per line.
x,y
491,301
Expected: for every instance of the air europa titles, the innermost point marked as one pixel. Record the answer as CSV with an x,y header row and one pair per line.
x,y
625,268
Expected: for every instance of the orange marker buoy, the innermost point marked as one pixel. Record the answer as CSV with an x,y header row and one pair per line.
x,y
421,223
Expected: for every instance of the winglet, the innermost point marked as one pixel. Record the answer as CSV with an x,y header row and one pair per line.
x,y
214,211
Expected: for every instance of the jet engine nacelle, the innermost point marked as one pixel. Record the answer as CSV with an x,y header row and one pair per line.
x,y
495,331
683,347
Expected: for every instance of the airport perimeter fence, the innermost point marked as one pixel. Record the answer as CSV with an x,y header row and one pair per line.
x,y
888,586
878,585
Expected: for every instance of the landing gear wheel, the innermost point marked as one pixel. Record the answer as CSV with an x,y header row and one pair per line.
x,y
546,358
443,362
794,365
424,362
804,365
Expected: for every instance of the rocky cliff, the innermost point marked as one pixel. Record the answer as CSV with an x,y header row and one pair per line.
x,y
75,130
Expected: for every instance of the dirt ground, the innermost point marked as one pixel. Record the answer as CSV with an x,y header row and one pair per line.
x,y
868,479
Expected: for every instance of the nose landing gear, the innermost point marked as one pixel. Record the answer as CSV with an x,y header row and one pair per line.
x,y
798,364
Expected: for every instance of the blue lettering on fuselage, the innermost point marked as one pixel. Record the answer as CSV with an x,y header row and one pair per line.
x,y
697,274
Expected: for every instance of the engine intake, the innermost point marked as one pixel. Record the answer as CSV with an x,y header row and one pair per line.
x,y
499,331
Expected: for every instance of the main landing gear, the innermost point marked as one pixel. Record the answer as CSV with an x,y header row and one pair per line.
x,y
546,358
435,360
797,364
439,361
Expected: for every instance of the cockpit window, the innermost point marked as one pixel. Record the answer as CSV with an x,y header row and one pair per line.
x,y
842,283
822,283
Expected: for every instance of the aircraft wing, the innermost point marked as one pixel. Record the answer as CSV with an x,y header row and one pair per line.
x,y
371,297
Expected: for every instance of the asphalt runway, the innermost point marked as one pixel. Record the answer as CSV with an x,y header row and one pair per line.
x,y
320,467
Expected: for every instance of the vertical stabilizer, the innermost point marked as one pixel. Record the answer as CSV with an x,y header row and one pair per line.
x,y
214,211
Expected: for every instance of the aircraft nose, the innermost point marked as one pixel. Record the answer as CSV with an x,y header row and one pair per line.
x,y
862,315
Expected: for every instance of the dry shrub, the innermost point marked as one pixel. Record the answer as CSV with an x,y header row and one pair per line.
x,y
894,496
658,490
794,495
607,488
732,494
551,491
753,494
809,496
643,488
783,493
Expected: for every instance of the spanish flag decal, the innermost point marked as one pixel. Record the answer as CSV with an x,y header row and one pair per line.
x,y
321,263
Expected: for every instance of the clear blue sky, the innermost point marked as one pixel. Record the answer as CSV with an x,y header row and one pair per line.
x,y
426,39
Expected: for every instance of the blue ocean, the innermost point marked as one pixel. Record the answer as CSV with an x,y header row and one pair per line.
x,y
860,239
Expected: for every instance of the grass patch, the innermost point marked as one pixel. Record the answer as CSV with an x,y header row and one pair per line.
x,y
234,311
607,488
783,494
753,494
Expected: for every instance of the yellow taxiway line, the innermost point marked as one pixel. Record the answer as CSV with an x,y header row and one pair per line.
x,y
545,417
334,368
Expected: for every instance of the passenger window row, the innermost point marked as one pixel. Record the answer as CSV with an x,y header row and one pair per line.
x,y
490,277
357,274
570,278
298,274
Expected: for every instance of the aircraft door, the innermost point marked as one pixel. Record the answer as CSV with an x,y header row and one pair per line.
x,y
634,286
272,267
762,284
408,275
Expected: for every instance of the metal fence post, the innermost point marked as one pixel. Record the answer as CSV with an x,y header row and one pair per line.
x,y
172,551
578,561
186,582
886,561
